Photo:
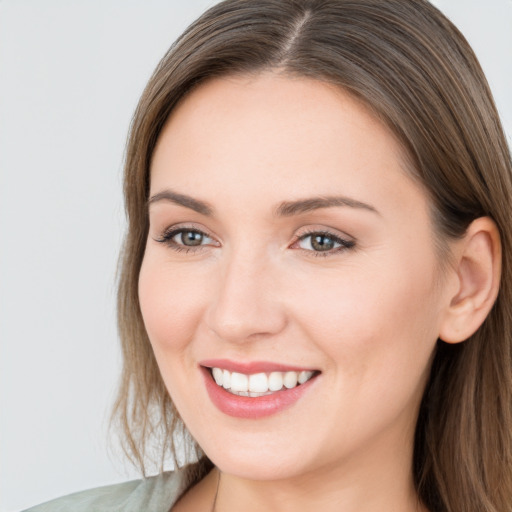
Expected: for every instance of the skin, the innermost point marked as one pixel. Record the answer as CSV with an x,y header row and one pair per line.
x,y
367,317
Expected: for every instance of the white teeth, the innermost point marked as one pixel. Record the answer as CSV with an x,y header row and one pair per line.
x,y
304,376
259,384
290,379
217,375
239,382
275,381
226,379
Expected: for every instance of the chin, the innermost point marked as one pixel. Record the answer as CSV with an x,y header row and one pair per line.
x,y
255,456
263,467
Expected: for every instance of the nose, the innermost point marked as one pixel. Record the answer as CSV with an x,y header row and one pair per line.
x,y
247,301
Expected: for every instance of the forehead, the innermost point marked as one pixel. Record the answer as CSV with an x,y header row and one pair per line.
x,y
275,107
278,135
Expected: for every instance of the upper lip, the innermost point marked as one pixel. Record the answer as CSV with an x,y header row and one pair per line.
x,y
251,367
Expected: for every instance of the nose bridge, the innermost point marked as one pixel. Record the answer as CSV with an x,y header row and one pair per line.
x,y
246,300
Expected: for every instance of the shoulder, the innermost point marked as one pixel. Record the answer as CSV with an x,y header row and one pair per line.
x,y
155,494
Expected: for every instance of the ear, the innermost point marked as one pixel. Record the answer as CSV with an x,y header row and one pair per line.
x,y
477,273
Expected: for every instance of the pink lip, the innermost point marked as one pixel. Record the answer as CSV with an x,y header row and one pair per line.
x,y
250,367
253,407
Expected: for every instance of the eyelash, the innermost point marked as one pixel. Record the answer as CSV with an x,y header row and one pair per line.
x,y
344,244
167,239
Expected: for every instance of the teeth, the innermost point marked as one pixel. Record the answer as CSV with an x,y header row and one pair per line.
x,y
275,381
217,375
304,376
290,379
258,384
239,382
226,379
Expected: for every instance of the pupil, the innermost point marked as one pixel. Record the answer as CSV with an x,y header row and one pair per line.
x,y
322,243
191,238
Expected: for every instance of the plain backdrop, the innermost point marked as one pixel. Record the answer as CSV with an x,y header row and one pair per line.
x,y
71,72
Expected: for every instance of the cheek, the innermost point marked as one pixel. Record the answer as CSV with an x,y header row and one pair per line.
x,y
378,332
171,304
373,319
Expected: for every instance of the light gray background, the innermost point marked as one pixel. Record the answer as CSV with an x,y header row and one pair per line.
x,y
70,75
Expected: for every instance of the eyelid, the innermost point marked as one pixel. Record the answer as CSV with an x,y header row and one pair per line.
x,y
345,241
319,229
171,231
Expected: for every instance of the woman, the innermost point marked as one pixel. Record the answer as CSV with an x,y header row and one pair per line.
x,y
315,282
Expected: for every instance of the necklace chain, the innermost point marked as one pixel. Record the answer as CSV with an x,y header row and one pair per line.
x,y
216,493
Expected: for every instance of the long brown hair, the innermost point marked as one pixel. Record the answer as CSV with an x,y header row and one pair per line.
x,y
417,73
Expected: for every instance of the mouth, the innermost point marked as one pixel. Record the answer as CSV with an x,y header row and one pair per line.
x,y
255,390
261,383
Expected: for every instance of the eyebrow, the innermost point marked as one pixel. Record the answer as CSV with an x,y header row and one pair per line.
x,y
198,206
285,209
289,208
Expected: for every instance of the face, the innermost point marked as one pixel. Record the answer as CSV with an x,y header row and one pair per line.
x,y
290,257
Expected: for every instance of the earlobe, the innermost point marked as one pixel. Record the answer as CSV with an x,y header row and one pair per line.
x,y
478,272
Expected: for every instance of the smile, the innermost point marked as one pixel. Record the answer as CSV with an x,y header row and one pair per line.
x,y
255,390
259,384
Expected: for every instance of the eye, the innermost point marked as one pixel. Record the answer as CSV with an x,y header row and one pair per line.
x,y
190,238
186,239
323,242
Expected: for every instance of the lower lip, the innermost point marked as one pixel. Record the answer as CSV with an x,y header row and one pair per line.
x,y
253,407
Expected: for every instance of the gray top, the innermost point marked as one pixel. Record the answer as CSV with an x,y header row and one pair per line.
x,y
155,494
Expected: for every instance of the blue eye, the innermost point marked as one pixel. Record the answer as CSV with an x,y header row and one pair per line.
x,y
318,243
190,238
323,242
185,239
